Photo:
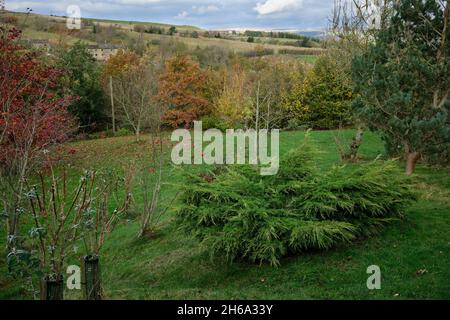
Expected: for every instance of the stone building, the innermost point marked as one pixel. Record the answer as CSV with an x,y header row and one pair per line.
x,y
102,52
40,44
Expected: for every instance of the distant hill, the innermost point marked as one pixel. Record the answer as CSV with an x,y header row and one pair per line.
x,y
143,23
133,34
121,23
312,34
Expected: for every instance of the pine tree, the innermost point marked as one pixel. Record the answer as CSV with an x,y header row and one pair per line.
x,y
404,84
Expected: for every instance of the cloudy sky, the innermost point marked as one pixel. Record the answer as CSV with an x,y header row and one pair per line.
x,y
210,14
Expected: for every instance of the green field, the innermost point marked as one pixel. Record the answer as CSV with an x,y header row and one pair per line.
x,y
414,255
147,24
307,58
23,17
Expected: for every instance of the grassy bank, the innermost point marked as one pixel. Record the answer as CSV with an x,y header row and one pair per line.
x,y
414,255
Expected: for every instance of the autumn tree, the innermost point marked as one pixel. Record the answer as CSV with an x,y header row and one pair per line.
x,y
119,63
182,90
404,84
233,104
33,117
116,66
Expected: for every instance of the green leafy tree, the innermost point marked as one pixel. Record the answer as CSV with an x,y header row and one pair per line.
x,y
82,80
404,84
319,98
329,101
172,30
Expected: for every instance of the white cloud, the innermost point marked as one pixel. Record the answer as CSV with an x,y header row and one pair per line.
x,y
275,6
136,2
209,14
87,5
205,9
183,14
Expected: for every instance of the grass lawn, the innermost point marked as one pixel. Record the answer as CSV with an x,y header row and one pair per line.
x,y
414,255
308,58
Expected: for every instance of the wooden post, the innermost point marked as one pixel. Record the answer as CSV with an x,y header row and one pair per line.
x,y
90,278
113,113
257,121
52,289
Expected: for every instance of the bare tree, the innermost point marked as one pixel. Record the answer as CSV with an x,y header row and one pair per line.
x,y
151,184
358,17
353,25
152,176
135,94
136,97
153,173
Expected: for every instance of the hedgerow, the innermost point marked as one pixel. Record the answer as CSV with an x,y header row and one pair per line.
x,y
238,214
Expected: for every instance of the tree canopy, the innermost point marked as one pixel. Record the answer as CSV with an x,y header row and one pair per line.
x,y
403,81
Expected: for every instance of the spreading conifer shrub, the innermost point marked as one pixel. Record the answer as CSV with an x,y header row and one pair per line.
x,y
238,214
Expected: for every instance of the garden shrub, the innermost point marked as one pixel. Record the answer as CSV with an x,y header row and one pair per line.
x,y
123,132
241,215
212,122
295,124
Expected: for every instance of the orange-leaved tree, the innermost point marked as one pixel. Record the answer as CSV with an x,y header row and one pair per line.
x,y
183,90
119,63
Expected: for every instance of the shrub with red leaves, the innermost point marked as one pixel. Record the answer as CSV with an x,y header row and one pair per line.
x,y
32,115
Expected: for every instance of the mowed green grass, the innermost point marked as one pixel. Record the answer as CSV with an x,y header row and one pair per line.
x,y
414,255
308,58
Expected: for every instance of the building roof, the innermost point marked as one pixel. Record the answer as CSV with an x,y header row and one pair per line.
x,y
38,41
104,46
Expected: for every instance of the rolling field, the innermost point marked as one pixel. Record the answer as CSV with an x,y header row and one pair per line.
x,y
53,28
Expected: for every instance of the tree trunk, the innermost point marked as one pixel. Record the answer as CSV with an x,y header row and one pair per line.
x,y
138,134
113,112
257,122
357,141
411,161
12,230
